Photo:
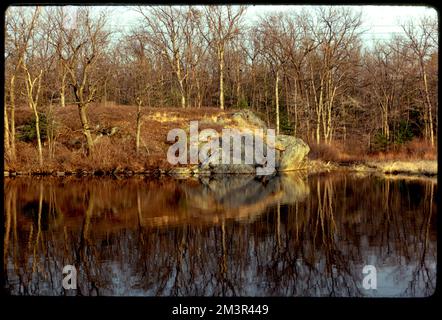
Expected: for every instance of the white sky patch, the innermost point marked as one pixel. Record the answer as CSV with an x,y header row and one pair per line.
x,y
379,22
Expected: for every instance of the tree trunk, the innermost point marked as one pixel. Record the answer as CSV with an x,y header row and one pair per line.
x,y
183,97
12,125
253,88
287,102
221,77
37,129
105,93
82,109
385,126
296,108
6,132
198,92
429,105
50,130
329,127
318,104
277,101
137,142
33,103
62,91
176,65
238,87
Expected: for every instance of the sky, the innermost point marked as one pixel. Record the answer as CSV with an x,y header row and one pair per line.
x,y
380,22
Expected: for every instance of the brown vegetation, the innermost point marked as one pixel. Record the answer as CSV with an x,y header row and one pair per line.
x,y
116,152
414,150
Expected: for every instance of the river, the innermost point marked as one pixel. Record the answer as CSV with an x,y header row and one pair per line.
x,y
291,235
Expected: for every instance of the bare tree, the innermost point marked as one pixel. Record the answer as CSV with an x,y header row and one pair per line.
x,y
422,39
84,40
271,36
139,52
20,26
167,29
336,32
33,89
224,24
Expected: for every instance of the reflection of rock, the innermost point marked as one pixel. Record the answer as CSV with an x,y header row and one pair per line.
x,y
245,196
180,172
233,169
294,188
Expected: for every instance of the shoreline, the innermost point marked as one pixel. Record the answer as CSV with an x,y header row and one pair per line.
x,y
424,168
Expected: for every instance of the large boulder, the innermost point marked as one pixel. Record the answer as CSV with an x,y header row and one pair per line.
x,y
247,119
292,152
230,168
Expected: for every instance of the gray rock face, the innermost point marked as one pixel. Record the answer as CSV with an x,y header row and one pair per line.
x,y
247,119
293,151
290,151
231,168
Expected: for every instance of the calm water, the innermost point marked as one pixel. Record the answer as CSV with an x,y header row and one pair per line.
x,y
287,236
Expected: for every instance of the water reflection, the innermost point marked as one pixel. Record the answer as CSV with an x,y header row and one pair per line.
x,y
285,236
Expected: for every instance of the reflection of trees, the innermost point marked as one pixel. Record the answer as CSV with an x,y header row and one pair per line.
x,y
139,236
422,275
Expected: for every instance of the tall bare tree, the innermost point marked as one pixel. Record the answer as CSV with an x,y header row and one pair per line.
x,y
167,28
271,36
84,39
33,78
20,24
336,32
224,24
422,39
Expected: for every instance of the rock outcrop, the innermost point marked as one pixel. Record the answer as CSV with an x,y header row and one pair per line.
x,y
290,151
293,151
248,119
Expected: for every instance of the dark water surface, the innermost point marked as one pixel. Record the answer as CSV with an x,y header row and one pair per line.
x,y
285,236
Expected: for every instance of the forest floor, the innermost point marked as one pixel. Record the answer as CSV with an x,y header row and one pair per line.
x,y
114,128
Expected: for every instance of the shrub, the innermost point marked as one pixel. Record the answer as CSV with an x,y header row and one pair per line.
x,y
380,142
243,104
285,126
325,152
403,133
28,133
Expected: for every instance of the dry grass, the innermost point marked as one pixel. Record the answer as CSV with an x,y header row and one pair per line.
x,y
421,167
416,149
414,158
335,152
110,152
323,151
352,151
